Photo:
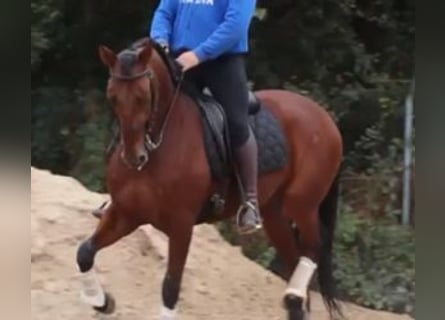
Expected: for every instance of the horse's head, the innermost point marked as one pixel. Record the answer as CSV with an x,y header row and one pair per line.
x,y
132,92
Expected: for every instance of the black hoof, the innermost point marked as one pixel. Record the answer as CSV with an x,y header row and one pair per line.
x,y
85,256
294,306
109,306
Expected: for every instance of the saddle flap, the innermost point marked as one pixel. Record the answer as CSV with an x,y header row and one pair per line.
x,y
215,117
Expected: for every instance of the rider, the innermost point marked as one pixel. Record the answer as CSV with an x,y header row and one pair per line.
x,y
209,39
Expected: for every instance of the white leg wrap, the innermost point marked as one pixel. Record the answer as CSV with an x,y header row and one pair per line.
x,y
167,314
299,282
92,291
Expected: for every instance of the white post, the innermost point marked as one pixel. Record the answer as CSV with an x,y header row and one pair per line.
x,y
407,158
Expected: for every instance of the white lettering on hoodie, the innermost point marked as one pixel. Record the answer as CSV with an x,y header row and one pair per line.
x,y
205,2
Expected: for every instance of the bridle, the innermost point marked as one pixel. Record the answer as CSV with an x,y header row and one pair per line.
x,y
151,144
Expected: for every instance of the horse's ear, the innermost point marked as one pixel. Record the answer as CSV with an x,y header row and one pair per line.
x,y
107,56
145,54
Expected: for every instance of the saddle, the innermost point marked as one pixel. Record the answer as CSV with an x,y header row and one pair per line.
x,y
272,151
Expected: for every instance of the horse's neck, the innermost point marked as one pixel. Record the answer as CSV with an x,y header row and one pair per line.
x,y
165,91
163,73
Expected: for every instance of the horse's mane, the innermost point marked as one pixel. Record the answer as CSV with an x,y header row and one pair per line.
x,y
173,67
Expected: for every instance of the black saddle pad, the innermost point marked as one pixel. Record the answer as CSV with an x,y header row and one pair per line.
x,y
272,144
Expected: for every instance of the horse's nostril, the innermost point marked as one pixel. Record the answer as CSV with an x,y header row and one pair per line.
x,y
142,158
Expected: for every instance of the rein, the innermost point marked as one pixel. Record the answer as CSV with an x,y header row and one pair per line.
x,y
149,143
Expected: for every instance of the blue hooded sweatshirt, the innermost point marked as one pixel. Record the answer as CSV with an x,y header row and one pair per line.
x,y
208,27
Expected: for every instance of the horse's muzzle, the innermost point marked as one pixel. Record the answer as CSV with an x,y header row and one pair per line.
x,y
138,161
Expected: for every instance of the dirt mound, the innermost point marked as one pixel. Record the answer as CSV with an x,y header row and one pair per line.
x,y
219,283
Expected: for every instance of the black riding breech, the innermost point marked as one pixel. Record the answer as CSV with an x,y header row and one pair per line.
x,y
226,79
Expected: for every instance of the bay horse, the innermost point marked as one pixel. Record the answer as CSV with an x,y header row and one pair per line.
x,y
158,174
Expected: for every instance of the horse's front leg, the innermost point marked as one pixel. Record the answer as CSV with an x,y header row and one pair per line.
x,y
178,248
112,227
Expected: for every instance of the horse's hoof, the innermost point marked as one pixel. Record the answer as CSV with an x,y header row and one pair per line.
x,y
294,306
99,212
109,306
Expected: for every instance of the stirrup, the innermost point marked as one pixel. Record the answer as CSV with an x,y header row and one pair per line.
x,y
258,225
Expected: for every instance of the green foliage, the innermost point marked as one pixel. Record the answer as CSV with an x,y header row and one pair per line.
x,y
228,231
54,116
45,23
70,131
93,134
377,191
350,55
255,247
375,263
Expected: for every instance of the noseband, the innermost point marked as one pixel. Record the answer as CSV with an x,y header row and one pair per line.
x,y
150,144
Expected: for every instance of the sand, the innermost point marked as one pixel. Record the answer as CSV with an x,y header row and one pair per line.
x,y
219,283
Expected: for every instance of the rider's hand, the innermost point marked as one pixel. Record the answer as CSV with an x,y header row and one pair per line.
x,y
164,46
188,60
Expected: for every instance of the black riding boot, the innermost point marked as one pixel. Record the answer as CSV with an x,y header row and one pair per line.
x,y
246,156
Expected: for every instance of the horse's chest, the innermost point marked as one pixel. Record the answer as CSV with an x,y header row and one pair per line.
x,y
133,195
144,195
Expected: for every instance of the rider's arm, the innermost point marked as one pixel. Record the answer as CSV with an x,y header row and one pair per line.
x,y
236,22
162,24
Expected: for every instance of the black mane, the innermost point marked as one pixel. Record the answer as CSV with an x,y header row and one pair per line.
x,y
127,60
173,67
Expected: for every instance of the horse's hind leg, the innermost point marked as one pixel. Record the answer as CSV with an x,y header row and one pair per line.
x,y
110,229
281,236
309,244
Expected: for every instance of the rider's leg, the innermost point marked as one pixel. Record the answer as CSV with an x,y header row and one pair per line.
x,y
246,156
227,80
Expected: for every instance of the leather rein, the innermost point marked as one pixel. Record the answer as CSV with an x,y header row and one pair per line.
x,y
151,144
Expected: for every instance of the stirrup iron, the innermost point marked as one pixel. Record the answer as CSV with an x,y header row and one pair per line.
x,y
248,205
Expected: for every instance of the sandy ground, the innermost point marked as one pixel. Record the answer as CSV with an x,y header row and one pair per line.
x,y
219,283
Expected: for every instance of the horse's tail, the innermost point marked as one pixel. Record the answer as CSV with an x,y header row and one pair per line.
x,y
328,217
